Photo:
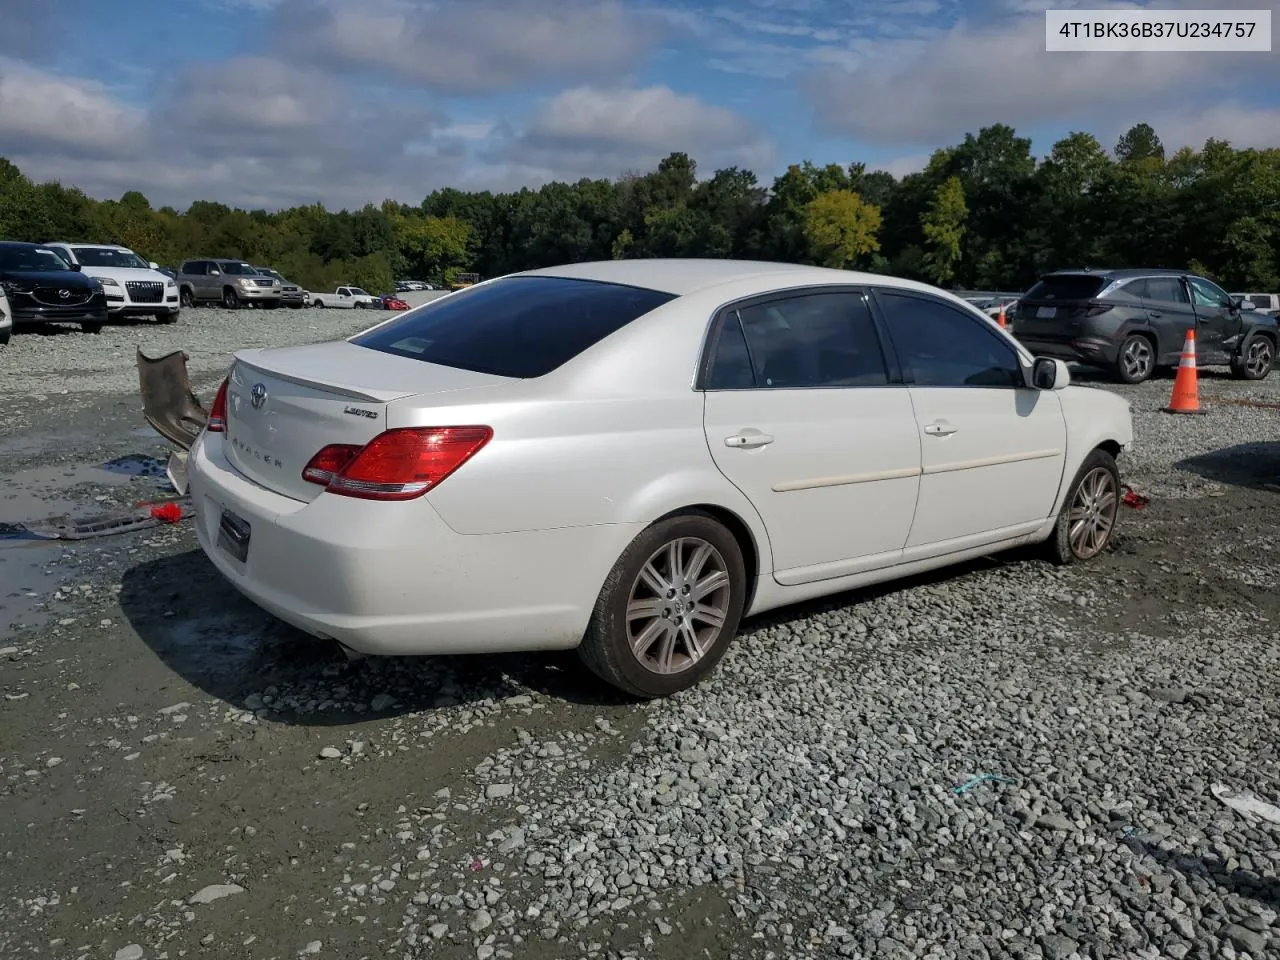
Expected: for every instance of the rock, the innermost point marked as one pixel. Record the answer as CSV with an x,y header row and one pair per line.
x,y
1242,938
1055,821
438,930
312,947
215,891
498,791
330,753
131,952
1057,947
484,952
382,701
481,920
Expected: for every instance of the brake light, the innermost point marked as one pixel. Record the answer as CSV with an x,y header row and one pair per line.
x,y
326,464
400,464
1095,309
218,415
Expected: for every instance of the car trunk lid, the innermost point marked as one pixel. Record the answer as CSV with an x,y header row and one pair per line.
x,y
285,405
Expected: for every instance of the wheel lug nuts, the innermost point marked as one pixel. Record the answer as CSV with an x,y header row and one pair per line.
x,y
670,594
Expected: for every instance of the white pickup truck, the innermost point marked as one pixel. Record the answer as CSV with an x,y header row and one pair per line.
x,y
346,298
1264,302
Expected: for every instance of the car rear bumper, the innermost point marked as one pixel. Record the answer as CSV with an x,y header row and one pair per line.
x,y
393,578
1095,351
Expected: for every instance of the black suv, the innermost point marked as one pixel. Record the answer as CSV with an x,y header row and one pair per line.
x,y
1134,321
43,288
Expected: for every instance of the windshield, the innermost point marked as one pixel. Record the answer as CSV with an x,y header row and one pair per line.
x,y
30,259
106,257
1066,286
266,272
238,269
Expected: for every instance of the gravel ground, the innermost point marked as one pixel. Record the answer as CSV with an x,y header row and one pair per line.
x,y
1000,760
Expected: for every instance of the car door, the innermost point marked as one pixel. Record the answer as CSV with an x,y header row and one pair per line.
x,y
992,448
210,280
1169,309
1217,320
802,416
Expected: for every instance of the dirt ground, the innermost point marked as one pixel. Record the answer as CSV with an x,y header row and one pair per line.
x,y
159,734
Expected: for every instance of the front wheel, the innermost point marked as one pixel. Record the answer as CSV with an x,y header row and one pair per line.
x,y
318,304
1087,522
1255,361
669,608
1136,360
91,327
185,298
230,299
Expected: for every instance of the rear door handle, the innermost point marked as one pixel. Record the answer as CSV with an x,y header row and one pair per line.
x,y
940,428
1155,313
748,439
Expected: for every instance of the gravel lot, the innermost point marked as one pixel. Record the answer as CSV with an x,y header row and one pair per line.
x,y
182,776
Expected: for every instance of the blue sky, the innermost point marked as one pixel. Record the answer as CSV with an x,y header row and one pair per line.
x,y
278,102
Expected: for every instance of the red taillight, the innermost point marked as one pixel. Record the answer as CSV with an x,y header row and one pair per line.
x,y
399,464
218,415
328,462
1097,309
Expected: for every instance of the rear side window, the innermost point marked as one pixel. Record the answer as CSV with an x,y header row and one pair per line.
x,y
515,327
1166,290
1066,286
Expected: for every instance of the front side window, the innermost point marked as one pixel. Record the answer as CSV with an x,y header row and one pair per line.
x,y
811,340
941,346
514,327
1206,294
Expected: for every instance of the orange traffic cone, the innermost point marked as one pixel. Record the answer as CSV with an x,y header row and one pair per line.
x,y
1186,385
1000,318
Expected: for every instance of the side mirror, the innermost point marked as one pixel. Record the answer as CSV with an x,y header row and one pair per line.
x,y
75,266
215,273
1050,374
1243,304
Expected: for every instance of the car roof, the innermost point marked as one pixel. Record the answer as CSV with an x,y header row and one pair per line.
x,y
86,243
1121,273
680,277
20,244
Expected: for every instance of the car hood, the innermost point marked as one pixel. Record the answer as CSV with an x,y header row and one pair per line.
x,y
53,278
124,274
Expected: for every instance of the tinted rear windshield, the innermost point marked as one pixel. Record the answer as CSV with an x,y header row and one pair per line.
x,y
515,327
1066,287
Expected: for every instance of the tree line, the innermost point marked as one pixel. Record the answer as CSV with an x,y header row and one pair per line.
x,y
983,214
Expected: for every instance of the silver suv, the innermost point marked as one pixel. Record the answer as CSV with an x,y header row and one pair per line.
x,y
232,283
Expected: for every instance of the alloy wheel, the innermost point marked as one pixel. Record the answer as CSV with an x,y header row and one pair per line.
x,y
678,605
1092,516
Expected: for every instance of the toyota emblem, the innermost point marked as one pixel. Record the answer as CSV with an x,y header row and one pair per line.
x,y
258,395
64,293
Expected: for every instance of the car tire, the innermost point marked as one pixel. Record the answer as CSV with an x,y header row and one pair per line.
x,y
185,298
1135,360
642,581
168,317
230,299
91,327
318,304
4,337
1255,359
1093,500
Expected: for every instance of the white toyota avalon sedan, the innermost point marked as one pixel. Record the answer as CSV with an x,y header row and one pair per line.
x,y
628,457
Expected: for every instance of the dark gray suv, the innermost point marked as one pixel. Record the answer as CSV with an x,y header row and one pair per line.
x,y
1134,321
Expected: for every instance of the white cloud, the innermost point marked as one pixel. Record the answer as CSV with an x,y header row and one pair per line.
x,y
901,166
927,92
69,113
470,47
589,131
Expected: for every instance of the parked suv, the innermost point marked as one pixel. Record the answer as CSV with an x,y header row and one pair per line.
x,y
1134,321
291,295
133,286
41,287
232,283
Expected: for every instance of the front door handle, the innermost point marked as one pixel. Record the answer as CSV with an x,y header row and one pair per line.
x,y
940,428
1155,313
748,439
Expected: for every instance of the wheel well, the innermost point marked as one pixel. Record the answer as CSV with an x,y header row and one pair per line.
x,y
1111,447
741,533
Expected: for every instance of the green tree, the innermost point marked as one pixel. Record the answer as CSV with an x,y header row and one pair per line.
x,y
943,226
841,228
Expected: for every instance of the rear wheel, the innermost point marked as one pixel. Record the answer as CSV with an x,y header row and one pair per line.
x,y
1088,519
91,327
669,608
4,338
319,304
1255,360
230,299
1136,360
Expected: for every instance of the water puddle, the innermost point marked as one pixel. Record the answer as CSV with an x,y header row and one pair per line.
x,y
31,565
